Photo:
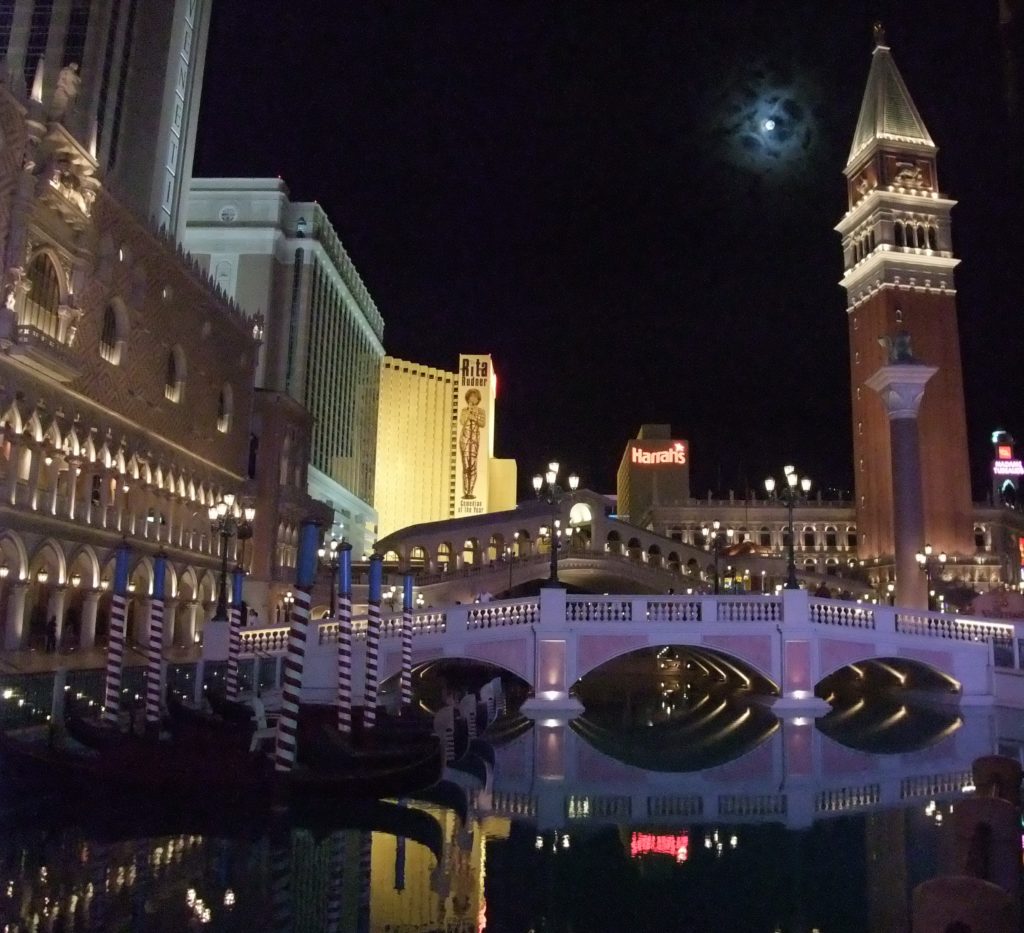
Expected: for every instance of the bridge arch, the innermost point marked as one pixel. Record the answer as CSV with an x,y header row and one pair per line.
x,y
880,674
748,668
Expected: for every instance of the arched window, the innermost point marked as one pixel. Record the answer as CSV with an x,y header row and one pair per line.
x,y
979,537
174,382
933,238
113,335
899,234
764,537
809,538
43,298
851,537
225,409
831,539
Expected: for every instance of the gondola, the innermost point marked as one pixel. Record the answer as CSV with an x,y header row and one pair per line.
x,y
93,733
176,770
236,711
188,723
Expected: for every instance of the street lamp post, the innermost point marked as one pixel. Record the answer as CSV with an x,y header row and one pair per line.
x,y
329,559
794,490
547,489
713,538
229,520
928,561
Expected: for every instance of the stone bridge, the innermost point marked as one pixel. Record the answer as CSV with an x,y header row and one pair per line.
x,y
793,640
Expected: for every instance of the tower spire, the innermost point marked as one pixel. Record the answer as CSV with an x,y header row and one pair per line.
x,y
887,111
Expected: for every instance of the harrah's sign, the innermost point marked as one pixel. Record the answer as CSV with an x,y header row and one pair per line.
x,y
675,455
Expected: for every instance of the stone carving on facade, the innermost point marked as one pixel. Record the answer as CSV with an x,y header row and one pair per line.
x,y
909,174
69,83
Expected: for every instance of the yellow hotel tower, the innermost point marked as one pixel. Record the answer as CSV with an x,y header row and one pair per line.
x,y
435,444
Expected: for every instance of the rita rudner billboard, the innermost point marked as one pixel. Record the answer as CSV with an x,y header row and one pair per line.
x,y
475,433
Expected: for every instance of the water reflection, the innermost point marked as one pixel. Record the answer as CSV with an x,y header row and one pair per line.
x,y
715,816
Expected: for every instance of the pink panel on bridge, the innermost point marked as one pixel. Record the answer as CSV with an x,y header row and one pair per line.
x,y
756,763
512,654
594,765
754,649
838,759
940,660
593,650
799,748
798,666
836,653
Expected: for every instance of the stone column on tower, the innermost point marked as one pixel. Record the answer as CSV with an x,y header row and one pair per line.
x,y
901,386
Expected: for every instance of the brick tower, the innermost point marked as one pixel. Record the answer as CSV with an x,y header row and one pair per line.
x,y
898,275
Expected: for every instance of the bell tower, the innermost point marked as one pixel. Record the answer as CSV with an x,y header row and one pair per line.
x,y
898,274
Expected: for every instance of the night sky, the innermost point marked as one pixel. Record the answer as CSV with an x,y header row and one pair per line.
x,y
586,191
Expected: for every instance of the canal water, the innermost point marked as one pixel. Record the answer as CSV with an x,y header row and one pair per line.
x,y
674,813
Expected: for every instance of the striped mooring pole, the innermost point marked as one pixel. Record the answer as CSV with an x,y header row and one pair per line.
x,y
373,642
343,613
406,678
234,632
155,655
286,740
115,638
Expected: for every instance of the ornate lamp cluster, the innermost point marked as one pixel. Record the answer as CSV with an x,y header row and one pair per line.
x,y
229,519
792,490
931,565
714,537
547,489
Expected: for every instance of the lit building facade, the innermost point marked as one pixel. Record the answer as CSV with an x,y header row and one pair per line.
x,y
324,333
124,76
127,406
435,444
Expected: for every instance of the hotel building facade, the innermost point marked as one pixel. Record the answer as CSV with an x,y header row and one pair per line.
x,y
323,340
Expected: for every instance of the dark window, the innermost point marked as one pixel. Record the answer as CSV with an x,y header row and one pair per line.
x,y
6,20
899,235
109,338
78,25
932,238
851,537
765,537
831,539
809,539
38,33
108,67
122,80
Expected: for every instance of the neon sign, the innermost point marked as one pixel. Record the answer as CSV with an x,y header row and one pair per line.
x,y
1004,452
1007,468
674,455
677,846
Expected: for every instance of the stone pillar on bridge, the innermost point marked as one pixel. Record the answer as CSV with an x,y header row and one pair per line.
x,y
554,669
901,385
798,663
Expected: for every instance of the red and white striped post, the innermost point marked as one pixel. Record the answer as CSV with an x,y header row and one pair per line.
x,y
343,613
155,652
115,637
406,677
372,690
234,632
286,740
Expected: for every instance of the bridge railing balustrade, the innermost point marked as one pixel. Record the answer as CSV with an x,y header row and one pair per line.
x,y
941,625
500,614
835,612
265,640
